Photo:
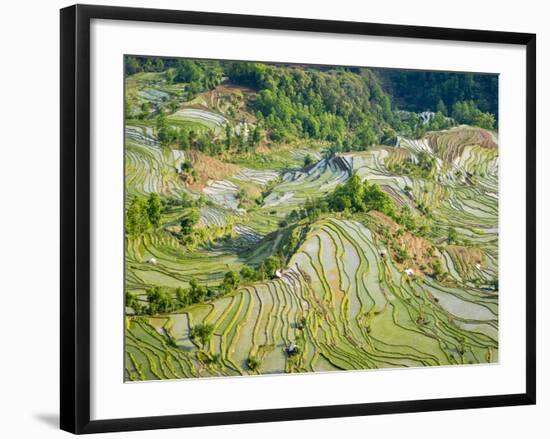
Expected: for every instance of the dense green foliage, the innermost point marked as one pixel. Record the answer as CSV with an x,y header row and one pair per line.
x,y
160,300
253,363
230,282
164,299
143,214
348,109
266,269
189,221
417,91
202,333
198,75
137,64
468,113
358,196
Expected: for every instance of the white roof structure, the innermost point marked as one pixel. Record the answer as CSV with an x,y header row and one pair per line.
x,y
152,261
409,271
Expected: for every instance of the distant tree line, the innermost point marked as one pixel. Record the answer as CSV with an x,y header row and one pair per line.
x,y
419,91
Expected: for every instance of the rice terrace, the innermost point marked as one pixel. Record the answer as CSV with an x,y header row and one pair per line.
x,y
286,218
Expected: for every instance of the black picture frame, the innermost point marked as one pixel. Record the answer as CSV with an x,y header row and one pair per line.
x,y
75,217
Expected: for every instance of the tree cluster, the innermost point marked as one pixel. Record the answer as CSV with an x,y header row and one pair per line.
x,y
340,106
439,91
143,214
202,332
467,113
164,299
138,64
360,196
266,269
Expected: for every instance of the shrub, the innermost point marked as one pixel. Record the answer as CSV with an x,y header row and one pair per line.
x,y
253,363
230,282
203,332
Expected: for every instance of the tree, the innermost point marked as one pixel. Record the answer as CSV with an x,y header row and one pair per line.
x,y
349,196
154,209
137,218
358,196
162,127
441,107
188,71
253,363
270,265
293,216
189,221
145,110
128,114
439,122
197,293
170,75
389,136
440,90
406,218
132,65
213,76
249,274
160,300
452,236
256,135
377,199
159,65
183,139
132,302
365,137
484,120
203,332
228,136
467,112
308,160
186,166
182,296
149,66
426,162
186,200
230,282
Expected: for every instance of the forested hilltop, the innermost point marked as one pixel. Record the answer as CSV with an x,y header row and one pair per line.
x,y
295,218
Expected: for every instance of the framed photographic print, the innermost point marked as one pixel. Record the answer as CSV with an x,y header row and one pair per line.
x,y
268,218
